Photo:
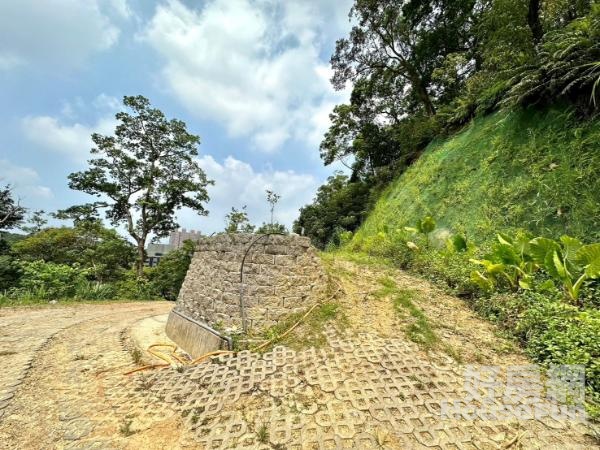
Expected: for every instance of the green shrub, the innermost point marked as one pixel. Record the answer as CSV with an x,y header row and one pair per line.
x,y
93,290
49,281
133,287
568,261
10,272
447,267
555,332
87,245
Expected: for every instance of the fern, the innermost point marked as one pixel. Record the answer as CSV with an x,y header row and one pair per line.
x,y
567,66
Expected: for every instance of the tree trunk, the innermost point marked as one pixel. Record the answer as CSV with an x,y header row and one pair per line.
x,y
533,19
423,95
141,259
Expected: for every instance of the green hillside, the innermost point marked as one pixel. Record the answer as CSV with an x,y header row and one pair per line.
x,y
533,170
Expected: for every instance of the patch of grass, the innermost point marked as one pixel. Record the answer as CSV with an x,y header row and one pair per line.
x,y
419,330
309,333
262,434
388,287
453,353
136,355
125,428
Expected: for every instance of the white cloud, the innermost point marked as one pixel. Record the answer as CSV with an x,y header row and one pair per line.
x,y
24,180
254,66
56,33
9,61
121,7
72,139
237,184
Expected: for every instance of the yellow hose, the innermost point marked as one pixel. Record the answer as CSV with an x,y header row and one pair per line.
x,y
166,358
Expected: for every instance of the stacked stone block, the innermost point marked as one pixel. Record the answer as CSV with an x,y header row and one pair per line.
x,y
282,274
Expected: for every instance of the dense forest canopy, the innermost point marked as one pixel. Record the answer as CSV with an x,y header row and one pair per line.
x,y
420,69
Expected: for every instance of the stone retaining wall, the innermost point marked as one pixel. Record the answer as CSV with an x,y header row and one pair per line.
x,y
282,274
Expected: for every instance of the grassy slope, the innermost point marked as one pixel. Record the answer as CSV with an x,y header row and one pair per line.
x,y
534,170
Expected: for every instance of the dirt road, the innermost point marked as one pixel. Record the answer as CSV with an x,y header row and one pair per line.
x,y
56,364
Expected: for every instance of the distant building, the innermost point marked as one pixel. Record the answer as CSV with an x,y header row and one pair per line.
x,y
176,239
156,251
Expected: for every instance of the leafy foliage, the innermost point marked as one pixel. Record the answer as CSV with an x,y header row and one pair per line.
x,y
167,277
399,45
425,227
565,68
10,272
266,228
338,206
568,261
101,251
11,212
510,260
49,280
237,221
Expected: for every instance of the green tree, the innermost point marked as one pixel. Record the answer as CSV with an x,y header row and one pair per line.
x,y
35,222
170,272
79,214
88,245
236,221
144,173
565,68
272,199
396,46
405,59
339,205
11,212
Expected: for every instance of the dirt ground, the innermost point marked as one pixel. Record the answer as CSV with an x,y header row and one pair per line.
x,y
370,386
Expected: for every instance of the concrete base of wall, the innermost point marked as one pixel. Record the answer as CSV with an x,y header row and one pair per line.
x,y
192,336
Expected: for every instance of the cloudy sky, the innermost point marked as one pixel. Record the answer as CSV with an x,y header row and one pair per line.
x,y
251,77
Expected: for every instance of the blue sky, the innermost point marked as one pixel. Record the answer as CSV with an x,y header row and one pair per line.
x,y
251,77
